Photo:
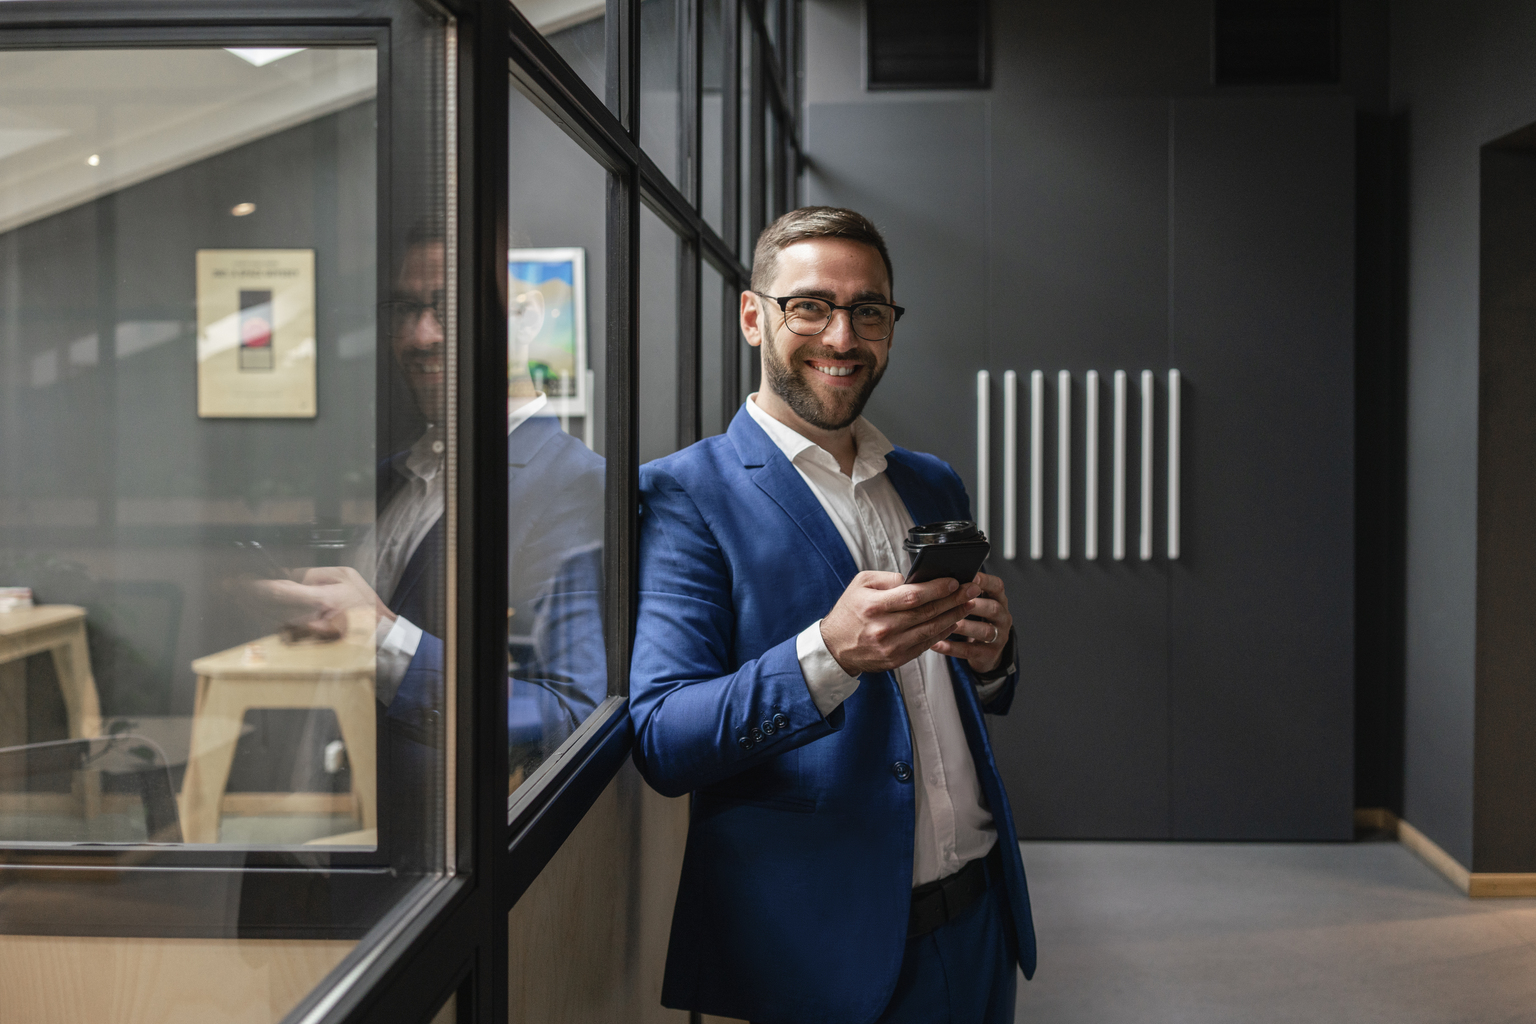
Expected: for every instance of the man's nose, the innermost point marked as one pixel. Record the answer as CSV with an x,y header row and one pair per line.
x,y
839,331
428,330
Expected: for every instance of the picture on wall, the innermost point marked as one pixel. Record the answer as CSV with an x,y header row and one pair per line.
x,y
256,333
547,327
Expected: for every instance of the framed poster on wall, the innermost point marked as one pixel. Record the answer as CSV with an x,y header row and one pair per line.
x,y
256,333
547,327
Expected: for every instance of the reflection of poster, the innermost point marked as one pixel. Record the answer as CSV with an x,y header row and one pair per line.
x,y
256,332
547,326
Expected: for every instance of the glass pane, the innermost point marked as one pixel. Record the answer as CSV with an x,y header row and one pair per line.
x,y
556,660
224,442
575,28
167,311
714,317
712,114
660,91
657,372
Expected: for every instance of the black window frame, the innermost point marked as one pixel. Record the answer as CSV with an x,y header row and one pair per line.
x,y
446,934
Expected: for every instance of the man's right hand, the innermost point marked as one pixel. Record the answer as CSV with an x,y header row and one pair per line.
x,y
881,622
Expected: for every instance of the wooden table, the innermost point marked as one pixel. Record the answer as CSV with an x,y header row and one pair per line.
x,y
270,673
58,629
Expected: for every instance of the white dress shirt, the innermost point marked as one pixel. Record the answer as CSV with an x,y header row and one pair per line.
x,y
391,543
953,823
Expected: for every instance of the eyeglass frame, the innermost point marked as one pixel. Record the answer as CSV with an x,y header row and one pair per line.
x,y
416,310
782,301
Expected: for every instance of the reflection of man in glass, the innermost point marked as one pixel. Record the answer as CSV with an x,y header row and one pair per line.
x,y
555,512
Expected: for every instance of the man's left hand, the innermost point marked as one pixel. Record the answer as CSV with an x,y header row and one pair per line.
x,y
987,633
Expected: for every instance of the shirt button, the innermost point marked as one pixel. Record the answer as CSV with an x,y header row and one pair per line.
x,y
902,771
768,729
780,722
746,743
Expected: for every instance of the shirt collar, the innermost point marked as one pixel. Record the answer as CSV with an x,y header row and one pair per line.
x,y
523,413
870,445
424,459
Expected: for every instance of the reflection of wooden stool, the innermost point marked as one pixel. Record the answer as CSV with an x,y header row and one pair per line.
x,y
272,674
58,629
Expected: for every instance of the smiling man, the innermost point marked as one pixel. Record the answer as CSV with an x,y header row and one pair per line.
x,y
850,855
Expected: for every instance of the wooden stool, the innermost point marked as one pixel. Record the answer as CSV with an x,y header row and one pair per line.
x,y
58,629
270,673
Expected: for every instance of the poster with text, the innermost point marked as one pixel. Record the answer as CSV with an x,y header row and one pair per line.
x,y
256,333
547,327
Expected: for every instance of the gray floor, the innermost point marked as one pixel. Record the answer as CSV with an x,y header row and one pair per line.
x,y
1195,933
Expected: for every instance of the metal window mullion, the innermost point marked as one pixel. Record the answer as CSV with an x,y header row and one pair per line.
x,y
621,527
730,342
622,72
690,426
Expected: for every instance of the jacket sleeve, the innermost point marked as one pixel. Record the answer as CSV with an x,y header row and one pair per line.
x,y
698,717
1002,700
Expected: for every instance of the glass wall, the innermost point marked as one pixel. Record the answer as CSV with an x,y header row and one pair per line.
x,y
257,684
226,445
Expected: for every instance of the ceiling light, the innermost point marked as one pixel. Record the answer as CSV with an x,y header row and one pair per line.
x,y
94,159
261,56
242,209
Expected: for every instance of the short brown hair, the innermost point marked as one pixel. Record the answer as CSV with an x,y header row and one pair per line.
x,y
807,223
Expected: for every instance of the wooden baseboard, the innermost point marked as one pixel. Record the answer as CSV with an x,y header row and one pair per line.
x,y
1473,883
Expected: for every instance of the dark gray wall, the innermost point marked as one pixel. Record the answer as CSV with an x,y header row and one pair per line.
x,y
1031,228
1462,77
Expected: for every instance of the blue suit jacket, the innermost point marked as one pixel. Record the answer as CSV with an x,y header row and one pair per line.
x,y
554,582
796,883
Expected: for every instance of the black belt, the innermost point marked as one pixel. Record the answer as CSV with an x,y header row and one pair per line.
x,y
937,903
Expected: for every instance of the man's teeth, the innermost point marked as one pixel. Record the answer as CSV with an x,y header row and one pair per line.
x,y
836,371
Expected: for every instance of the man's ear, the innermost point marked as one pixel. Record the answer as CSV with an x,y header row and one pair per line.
x,y
751,319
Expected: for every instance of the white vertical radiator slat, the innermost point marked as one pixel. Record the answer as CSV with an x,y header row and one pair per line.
x,y
1010,465
1175,381
1064,464
1146,465
983,449
1091,466
1117,544
1036,465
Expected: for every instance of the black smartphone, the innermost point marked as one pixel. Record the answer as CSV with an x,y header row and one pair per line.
x,y
953,549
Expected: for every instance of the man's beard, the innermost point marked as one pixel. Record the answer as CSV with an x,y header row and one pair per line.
x,y
792,384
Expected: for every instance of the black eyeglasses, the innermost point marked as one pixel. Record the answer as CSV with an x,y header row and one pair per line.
x,y
808,316
405,314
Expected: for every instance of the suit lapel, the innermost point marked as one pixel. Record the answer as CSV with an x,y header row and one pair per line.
x,y
778,479
917,493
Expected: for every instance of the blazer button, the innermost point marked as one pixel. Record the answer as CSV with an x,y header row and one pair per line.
x,y
768,729
757,735
902,771
780,721
746,743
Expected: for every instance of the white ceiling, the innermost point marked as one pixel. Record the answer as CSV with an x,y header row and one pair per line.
x,y
142,113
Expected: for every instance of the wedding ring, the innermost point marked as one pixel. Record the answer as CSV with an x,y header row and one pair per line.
x,y
995,632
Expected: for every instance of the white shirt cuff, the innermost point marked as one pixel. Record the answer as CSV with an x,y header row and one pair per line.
x,y
396,648
824,677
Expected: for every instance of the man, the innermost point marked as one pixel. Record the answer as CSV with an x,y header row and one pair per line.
x,y
554,533
851,855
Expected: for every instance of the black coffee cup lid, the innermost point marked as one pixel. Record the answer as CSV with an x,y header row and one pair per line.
x,y
951,531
